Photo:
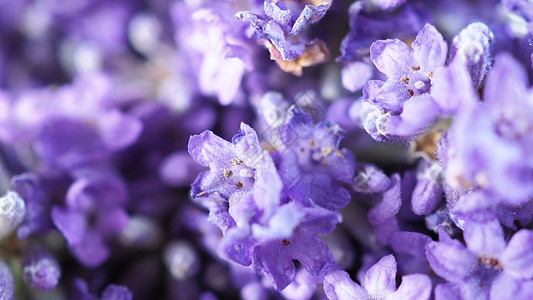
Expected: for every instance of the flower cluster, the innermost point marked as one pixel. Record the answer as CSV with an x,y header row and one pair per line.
x,y
266,149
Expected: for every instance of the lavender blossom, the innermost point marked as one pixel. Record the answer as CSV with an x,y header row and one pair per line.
x,y
234,167
486,259
405,94
313,167
280,31
472,48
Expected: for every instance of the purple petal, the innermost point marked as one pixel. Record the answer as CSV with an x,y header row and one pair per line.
x,y
237,245
509,287
429,48
355,75
448,291
451,260
112,221
392,57
507,80
72,224
339,286
247,145
273,262
119,130
91,251
209,149
312,253
517,258
413,287
413,243
282,224
390,204
418,115
320,221
380,279
389,95
483,234
445,86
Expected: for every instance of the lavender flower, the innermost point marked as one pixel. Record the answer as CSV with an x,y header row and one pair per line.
x,y
405,94
313,167
486,258
279,32
234,167
472,48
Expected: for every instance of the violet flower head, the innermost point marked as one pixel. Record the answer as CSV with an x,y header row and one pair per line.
x,y
471,47
280,29
314,167
233,167
477,268
404,105
379,283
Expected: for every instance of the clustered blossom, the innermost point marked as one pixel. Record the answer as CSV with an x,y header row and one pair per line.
x,y
266,149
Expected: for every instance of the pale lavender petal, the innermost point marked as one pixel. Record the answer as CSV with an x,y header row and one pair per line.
x,y
312,253
483,234
452,88
390,204
451,260
72,224
209,149
380,279
91,251
119,130
429,48
517,258
507,72
509,287
274,263
419,113
355,75
339,286
389,95
392,57
413,287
